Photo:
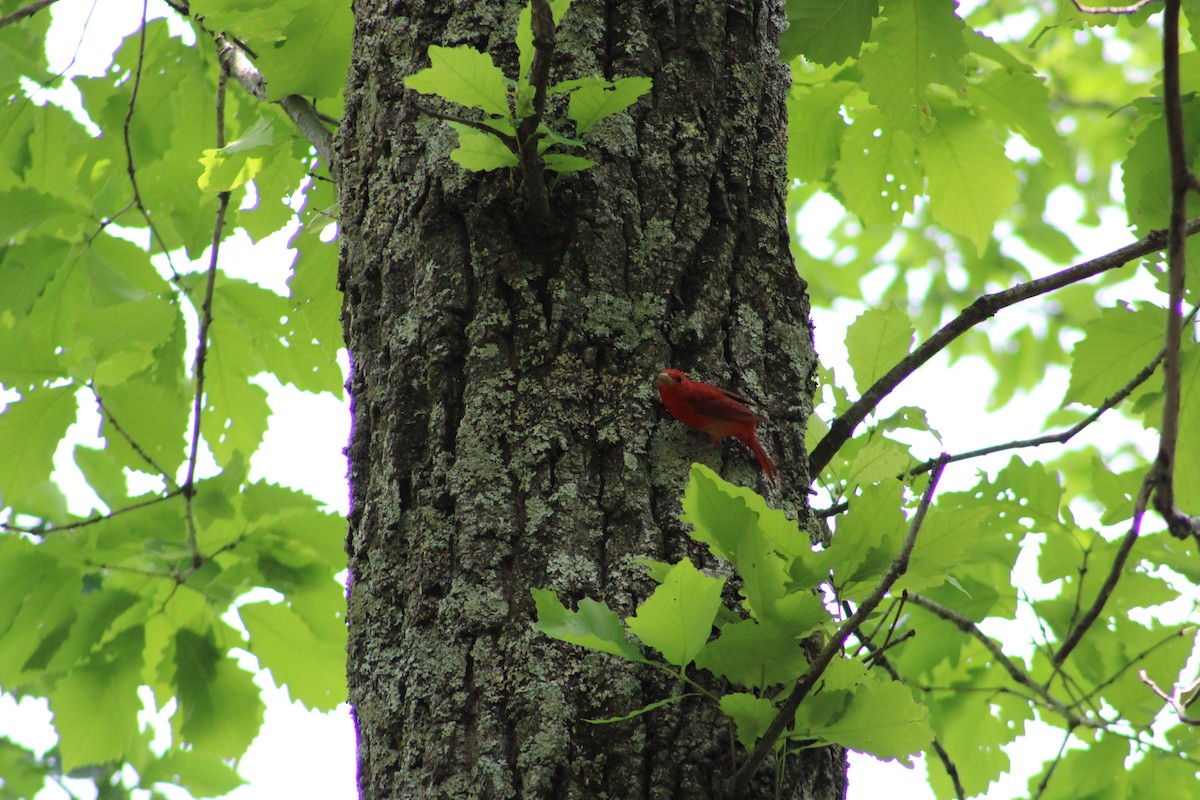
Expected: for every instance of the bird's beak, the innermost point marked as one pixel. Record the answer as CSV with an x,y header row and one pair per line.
x,y
663,378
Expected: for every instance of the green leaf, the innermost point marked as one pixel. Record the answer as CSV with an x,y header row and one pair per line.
x,y
240,161
815,128
201,774
220,710
879,717
479,151
30,430
971,180
826,31
593,99
564,164
759,655
919,43
1187,449
878,175
96,705
677,619
876,341
868,537
311,55
121,338
1018,98
465,76
946,540
278,634
751,715
1116,346
879,459
24,773
39,601
28,211
1146,170
593,626
720,513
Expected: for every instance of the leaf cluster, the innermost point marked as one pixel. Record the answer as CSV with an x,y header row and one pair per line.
x,y
747,657
470,79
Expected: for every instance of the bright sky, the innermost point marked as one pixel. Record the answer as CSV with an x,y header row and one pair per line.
x,y
303,448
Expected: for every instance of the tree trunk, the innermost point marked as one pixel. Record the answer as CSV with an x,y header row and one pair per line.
x,y
507,432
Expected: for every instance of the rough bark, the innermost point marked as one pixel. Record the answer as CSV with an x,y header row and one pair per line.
x,y
507,434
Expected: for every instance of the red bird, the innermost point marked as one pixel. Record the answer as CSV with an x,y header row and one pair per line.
x,y
715,411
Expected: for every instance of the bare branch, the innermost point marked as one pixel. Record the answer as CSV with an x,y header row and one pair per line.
x,y
984,307
877,657
787,712
27,11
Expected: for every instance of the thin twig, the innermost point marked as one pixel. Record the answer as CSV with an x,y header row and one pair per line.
x,y
189,487
509,140
1128,665
984,307
1015,672
27,11
1062,437
137,448
44,530
130,168
807,682
1114,575
1062,748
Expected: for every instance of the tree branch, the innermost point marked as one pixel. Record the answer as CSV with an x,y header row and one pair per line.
x,y
786,715
509,140
48,529
1062,437
1016,673
1163,474
1114,575
984,307
27,11
876,656
189,486
130,169
137,448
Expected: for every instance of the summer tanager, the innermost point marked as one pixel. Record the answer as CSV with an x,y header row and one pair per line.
x,y
713,410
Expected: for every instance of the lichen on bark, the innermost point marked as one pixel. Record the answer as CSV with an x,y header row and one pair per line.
x,y
506,430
